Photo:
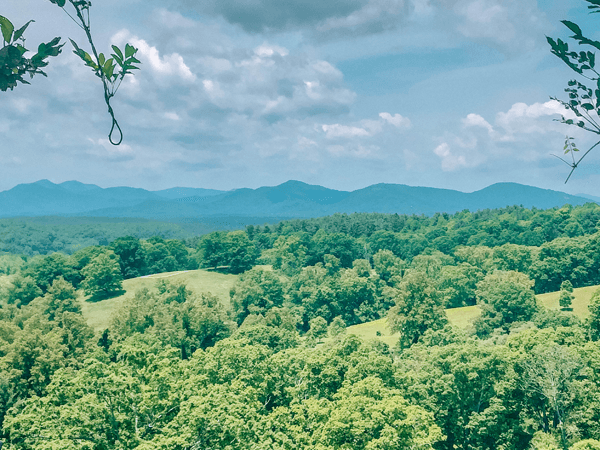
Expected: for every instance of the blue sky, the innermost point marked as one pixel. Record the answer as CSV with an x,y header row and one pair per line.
x,y
235,93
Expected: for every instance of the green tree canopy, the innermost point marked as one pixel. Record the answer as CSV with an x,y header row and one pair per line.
x,y
102,275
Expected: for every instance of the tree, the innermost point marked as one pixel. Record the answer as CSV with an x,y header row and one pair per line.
x,y
566,295
102,276
22,290
336,327
132,256
61,297
318,328
45,269
551,372
584,101
241,251
256,292
419,307
13,64
593,321
504,298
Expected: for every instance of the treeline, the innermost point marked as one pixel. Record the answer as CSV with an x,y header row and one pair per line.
x,y
99,270
44,235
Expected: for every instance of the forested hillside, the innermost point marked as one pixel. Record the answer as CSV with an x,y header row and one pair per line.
x,y
275,368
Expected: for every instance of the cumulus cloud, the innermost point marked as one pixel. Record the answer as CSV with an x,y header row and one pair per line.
x,y
396,120
269,81
524,133
475,120
523,119
366,127
450,161
171,65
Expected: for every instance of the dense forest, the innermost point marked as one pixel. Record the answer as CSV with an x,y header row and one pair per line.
x,y
275,368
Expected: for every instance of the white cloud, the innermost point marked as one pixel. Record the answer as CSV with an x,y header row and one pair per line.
x,y
396,120
525,119
266,51
342,131
523,133
172,116
167,65
475,120
450,161
374,17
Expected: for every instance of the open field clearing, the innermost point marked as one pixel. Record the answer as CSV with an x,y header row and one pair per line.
x,y
464,317
98,314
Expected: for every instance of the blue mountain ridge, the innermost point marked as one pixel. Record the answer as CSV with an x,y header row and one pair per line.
x,y
290,199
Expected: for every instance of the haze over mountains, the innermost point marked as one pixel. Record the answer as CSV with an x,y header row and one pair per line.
x,y
288,200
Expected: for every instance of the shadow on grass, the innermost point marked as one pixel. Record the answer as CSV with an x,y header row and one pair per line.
x,y
98,297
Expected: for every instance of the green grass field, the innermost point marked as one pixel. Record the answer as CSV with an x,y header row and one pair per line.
x,y
463,317
98,314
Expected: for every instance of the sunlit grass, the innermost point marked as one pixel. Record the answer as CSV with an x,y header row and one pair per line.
x,y
464,317
98,314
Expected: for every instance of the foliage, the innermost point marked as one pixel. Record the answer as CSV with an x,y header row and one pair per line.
x,y
594,319
175,316
583,101
505,298
233,249
13,63
102,276
337,327
418,308
22,291
256,292
43,235
317,328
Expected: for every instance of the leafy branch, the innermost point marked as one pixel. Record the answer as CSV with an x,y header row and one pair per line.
x,y
111,71
13,63
584,101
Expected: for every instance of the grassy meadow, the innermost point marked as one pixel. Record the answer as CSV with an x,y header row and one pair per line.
x,y
98,314
463,317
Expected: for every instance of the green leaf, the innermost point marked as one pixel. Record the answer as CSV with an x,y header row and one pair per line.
x,y
101,59
21,30
22,49
118,52
108,68
572,26
130,50
60,3
7,28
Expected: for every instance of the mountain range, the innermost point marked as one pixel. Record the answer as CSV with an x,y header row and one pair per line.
x,y
288,200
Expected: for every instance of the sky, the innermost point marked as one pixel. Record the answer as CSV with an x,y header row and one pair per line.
x,y
450,94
